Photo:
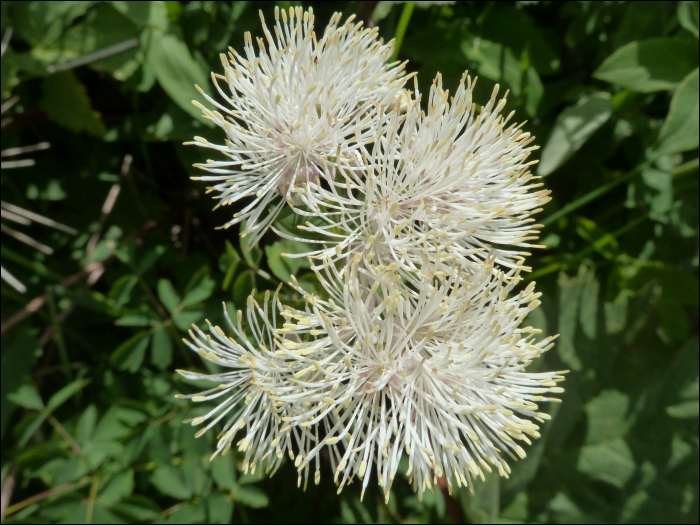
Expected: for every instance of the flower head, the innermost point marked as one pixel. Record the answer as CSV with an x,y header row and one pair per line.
x,y
443,185
291,107
438,375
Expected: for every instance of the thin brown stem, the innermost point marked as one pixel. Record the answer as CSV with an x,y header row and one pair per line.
x,y
64,433
453,508
8,485
43,495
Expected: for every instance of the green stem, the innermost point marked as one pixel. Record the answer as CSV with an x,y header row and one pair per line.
x,y
401,29
593,195
580,255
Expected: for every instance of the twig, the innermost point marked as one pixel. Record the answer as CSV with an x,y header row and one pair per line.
x,y
97,55
365,11
43,495
64,433
8,485
109,204
36,303
87,272
455,511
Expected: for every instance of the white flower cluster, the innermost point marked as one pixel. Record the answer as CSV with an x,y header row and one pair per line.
x,y
415,349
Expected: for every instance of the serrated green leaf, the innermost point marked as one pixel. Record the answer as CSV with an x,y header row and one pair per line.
x,y
645,66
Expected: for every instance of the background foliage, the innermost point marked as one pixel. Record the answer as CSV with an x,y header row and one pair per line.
x,y
91,431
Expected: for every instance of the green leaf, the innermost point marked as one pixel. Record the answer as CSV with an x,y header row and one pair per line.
x,y
110,427
148,319
569,294
167,295
150,259
66,393
589,306
177,71
120,486
219,508
137,508
647,66
564,510
574,126
244,284
283,267
129,355
680,130
149,14
483,506
688,16
168,480
251,497
19,351
183,320
611,462
161,348
223,472
27,396
607,417
41,23
188,513
252,254
86,425
686,409
229,263
199,289
66,102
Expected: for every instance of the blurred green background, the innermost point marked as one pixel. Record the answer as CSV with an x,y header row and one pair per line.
x,y
90,429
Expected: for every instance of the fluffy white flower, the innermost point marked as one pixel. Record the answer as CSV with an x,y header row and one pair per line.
x,y
292,106
441,186
437,374
247,404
